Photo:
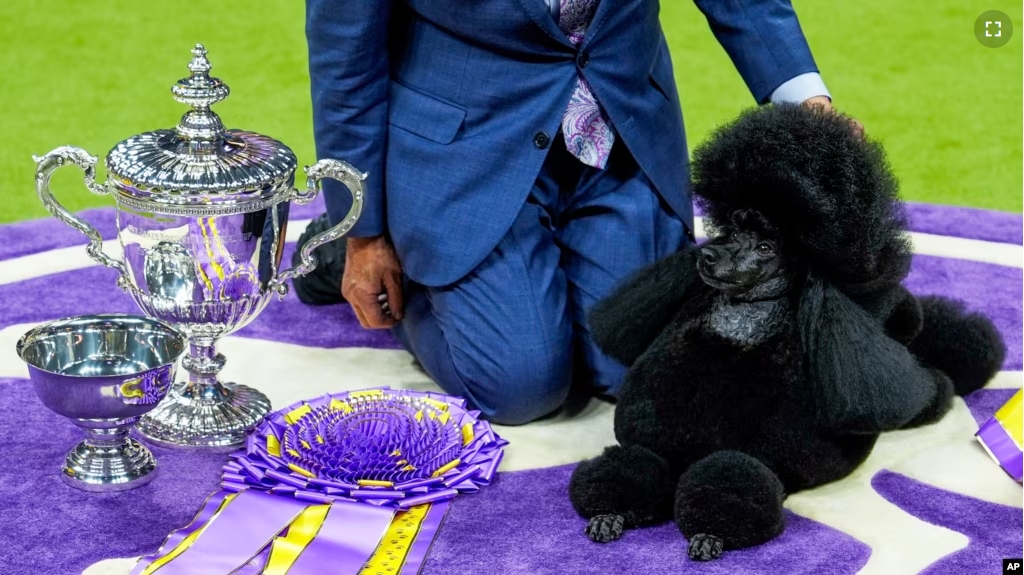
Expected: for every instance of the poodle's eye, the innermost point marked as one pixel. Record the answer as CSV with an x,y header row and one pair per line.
x,y
765,249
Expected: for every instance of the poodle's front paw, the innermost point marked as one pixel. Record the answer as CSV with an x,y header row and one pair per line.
x,y
605,528
704,547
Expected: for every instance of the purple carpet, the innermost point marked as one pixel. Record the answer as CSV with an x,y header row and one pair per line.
x,y
48,233
523,521
994,530
521,525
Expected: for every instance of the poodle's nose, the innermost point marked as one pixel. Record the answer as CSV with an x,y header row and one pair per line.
x,y
709,254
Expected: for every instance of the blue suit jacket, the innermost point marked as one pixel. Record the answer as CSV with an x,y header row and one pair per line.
x,y
441,102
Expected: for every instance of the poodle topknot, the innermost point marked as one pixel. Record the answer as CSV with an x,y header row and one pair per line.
x,y
811,174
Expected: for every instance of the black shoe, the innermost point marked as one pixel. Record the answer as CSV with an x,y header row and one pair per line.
x,y
322,286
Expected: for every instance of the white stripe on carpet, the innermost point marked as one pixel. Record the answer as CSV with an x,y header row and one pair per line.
x,y
288,373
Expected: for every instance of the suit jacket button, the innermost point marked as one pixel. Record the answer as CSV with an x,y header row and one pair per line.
x,y
541,140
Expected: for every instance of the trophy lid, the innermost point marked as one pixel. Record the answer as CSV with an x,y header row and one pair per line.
x,y
200,168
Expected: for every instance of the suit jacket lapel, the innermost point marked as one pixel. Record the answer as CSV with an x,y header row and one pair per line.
x,y
538,11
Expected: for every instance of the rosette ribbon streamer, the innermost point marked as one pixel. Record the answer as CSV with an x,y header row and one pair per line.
x,y
1002,436
349,483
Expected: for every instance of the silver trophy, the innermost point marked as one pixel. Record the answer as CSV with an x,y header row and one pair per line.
x,y
103,372
201,216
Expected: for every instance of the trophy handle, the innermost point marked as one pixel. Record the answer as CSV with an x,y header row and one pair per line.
x,y
45,166
353,180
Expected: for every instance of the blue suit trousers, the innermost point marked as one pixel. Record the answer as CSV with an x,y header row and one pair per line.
x,y
511,336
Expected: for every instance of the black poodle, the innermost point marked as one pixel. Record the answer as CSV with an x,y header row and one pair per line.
x,y
769,359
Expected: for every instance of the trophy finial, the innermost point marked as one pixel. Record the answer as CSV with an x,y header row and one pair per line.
x,y
199,64
200,91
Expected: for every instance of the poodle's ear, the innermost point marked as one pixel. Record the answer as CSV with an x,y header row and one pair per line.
x,y
626,322
861,380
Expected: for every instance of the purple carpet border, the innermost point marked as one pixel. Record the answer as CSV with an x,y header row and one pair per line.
x,y
969,223
964,222
31,236
40,235
93,290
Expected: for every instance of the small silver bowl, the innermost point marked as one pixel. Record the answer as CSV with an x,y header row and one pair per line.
x,y
103,372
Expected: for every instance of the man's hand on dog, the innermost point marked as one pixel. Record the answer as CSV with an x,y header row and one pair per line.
x,y
373,282
825,103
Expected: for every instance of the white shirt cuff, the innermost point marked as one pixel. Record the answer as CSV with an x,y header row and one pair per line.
x,y
801,88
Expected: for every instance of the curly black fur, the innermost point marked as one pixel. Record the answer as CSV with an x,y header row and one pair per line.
x,y
770,359
958,342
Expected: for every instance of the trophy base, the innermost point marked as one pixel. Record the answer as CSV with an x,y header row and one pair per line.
x,y
106,468
217,421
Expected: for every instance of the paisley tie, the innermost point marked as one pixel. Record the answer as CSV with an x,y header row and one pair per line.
x,y
588,133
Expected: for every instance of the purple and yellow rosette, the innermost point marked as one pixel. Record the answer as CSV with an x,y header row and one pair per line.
x,y
348,483
1002,434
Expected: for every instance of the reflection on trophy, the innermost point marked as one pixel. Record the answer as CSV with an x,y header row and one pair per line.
x,y
201,214
169,272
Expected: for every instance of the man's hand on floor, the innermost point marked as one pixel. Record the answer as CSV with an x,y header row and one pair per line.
x,y
372,269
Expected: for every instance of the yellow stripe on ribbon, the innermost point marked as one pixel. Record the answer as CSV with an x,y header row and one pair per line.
x,y
285,550
338,405
390,555
296,414
467,434
273,445
439,405
374,483
446,467
187,541
300,470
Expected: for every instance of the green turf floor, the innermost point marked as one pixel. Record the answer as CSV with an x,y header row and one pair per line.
x,y
91,73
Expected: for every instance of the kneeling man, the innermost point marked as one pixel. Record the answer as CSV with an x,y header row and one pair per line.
x,y
524,156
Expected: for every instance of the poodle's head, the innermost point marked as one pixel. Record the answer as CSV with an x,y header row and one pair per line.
x,y
825,190
749,259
